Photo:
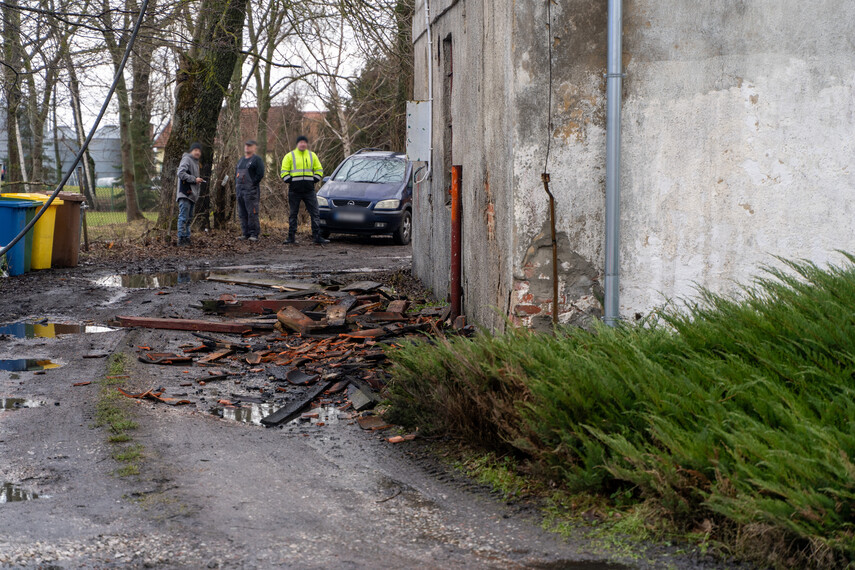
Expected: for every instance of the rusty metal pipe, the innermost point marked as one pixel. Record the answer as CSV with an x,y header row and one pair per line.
x,y
456,241
545,177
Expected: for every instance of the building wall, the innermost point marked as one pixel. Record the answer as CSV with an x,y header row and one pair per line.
x,y
737,146
482,145
739,120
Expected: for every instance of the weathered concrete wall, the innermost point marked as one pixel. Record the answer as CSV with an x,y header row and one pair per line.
x,y
482,144
738,141
737,146
576,158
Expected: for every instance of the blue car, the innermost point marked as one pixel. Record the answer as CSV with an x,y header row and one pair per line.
x,y
370,193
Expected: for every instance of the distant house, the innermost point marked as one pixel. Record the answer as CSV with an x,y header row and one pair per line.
x,y
281,131
104,148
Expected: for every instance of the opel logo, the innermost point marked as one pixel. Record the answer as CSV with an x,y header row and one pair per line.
x,y
351,203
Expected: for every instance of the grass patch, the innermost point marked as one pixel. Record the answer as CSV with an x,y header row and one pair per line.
x,y
98,219
112,413
128,454
501,474
730,415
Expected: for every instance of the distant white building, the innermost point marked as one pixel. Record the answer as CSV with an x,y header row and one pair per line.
x,y
105,150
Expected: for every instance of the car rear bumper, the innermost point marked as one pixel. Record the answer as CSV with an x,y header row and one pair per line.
x,y
361,221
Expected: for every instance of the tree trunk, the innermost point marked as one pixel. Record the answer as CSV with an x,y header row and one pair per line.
x,y
57,160
203,80
12,87
87,185
116,50
263,116
141,136
229,136
132,211
38,112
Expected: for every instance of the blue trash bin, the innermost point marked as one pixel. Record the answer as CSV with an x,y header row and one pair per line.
x,y
13,217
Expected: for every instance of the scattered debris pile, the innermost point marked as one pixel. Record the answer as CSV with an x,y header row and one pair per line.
x,y
316,345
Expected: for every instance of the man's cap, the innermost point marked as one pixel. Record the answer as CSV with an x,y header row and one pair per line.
x,y
250,142
302,138
194,146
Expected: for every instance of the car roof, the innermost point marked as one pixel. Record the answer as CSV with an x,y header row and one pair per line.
x,y
377,153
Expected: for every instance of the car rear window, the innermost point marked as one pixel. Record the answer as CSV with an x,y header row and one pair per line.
x,y
372,170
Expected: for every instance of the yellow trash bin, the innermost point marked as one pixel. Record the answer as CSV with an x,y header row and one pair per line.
x,y
43,232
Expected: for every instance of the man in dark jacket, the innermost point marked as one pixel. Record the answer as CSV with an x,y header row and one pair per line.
x,y
187,191
248,175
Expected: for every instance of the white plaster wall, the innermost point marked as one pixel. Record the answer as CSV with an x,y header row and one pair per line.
x,y
738,126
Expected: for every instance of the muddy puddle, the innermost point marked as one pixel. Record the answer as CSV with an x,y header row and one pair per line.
x,y
11,493
49,329
152,280
27,364
12,404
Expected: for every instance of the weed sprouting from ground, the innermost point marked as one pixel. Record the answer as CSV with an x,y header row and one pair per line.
x,y
731,415
112,413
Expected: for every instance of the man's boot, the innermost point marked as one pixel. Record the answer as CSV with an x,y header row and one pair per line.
x,y
291,240
321,240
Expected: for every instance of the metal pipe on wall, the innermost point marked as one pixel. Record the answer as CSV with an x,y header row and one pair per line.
x,y
430,87
614,87
456,241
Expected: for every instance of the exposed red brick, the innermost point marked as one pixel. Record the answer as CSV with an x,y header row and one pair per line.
x,y
528,309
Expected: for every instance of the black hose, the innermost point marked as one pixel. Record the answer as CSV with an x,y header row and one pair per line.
x,y
83,148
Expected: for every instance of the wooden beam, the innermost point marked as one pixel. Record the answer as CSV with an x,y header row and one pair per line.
x,y
255,306
184,325
293,409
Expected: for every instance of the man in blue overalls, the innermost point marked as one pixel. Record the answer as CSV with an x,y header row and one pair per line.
x,y
248,175
301,170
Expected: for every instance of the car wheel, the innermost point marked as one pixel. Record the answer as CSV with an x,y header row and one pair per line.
x,y
404,233
325,234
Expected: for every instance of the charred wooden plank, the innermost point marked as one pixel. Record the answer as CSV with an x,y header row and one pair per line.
x,y
293,409
255,306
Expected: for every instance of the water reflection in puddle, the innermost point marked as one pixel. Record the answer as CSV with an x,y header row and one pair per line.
x,y
27,364
152,280
253,413
49,330
326,415
12,404
11,493
248,414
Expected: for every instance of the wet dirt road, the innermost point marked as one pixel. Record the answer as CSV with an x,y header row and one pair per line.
x,y
213,492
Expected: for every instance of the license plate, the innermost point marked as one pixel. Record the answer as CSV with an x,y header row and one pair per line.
x,y
355,217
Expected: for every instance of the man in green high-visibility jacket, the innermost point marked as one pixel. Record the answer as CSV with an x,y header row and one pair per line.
x,y
301,170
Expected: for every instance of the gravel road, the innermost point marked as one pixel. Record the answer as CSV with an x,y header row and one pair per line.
x,y
219,493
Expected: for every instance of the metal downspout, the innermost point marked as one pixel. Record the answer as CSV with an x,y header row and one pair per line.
x,y
614,87
430,86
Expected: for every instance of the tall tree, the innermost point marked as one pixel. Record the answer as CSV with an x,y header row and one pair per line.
x,y
116,47
228,150
12,88
203,80
140,106
38,103
87,184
